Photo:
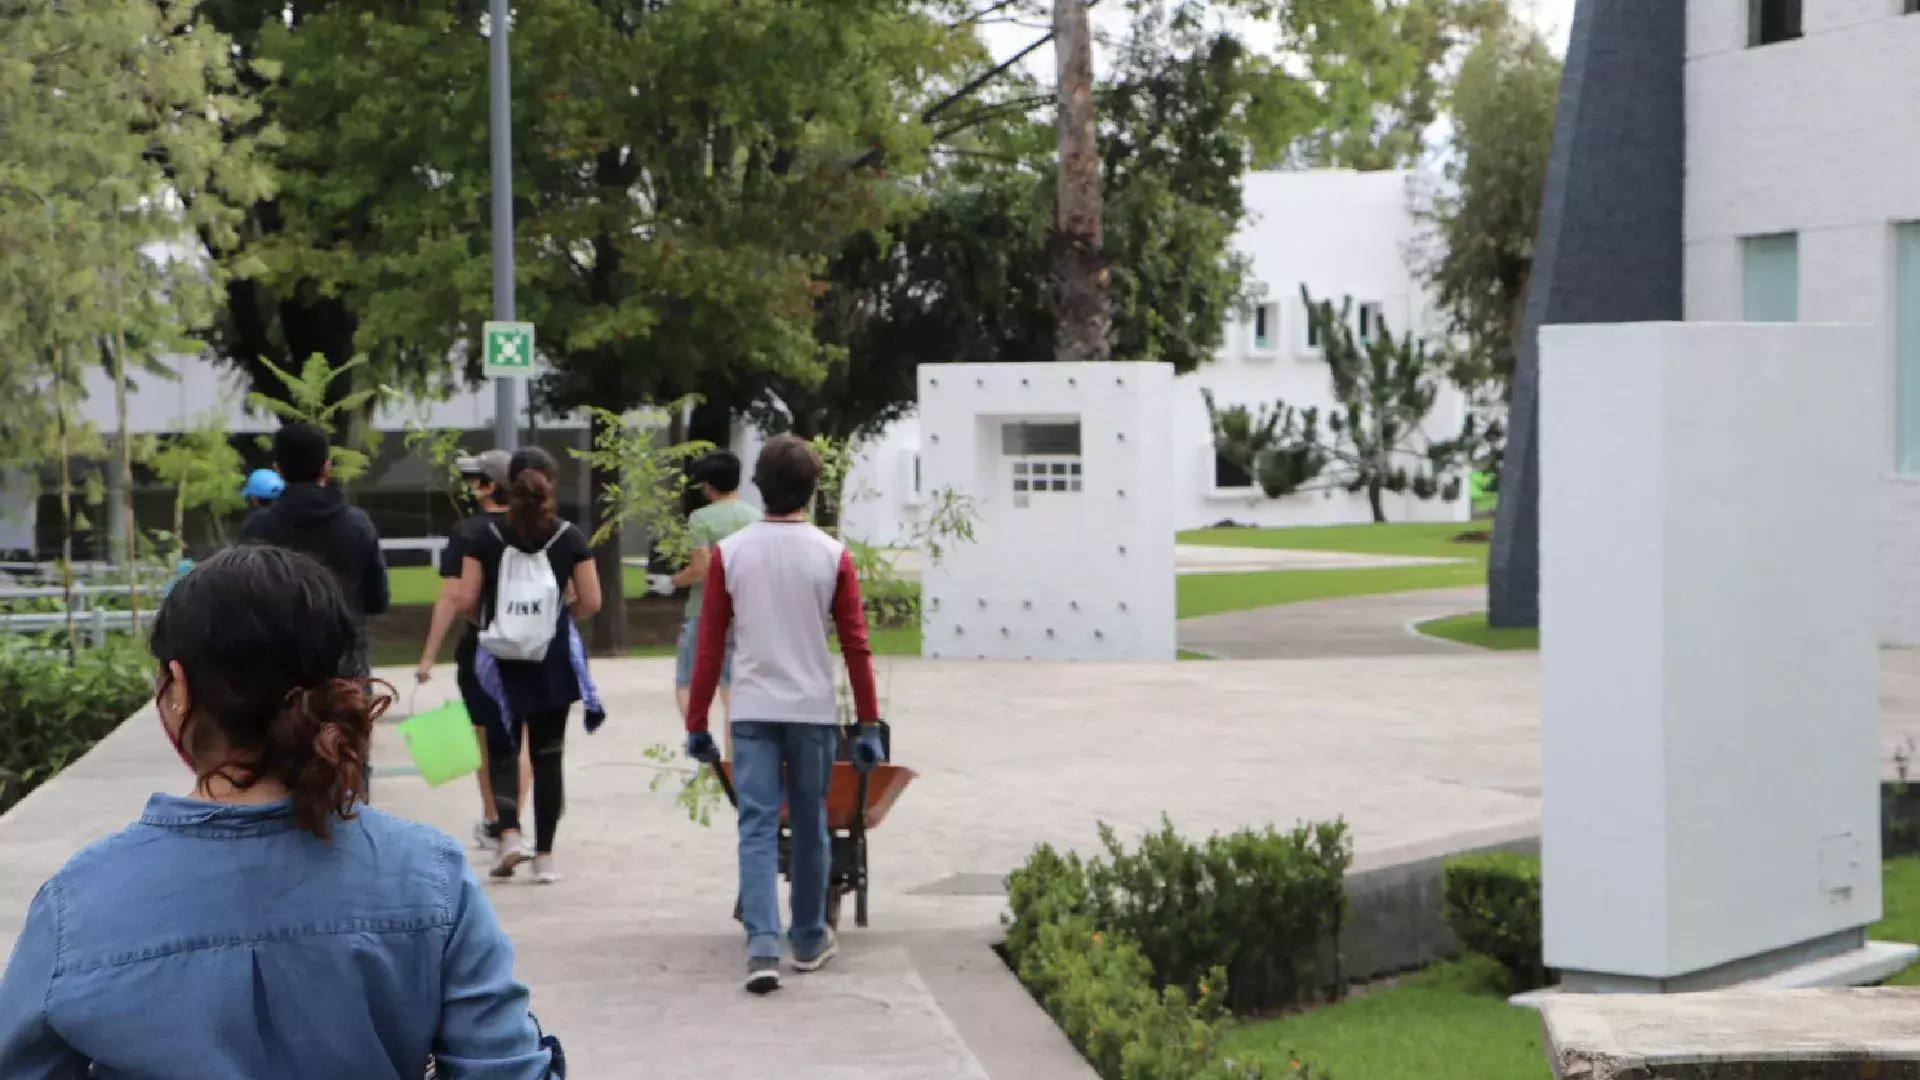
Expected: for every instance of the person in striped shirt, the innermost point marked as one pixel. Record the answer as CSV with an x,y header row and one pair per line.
x,y
774,584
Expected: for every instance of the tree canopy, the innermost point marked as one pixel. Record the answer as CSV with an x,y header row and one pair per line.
x,y
1484,221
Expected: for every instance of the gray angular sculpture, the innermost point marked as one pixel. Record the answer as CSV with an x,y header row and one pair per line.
x,y
1610,243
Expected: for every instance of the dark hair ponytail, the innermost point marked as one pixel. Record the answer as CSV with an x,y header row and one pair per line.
x,y
531,505
318,746
265,638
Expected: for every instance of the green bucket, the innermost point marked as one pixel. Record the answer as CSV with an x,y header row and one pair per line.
x,y
442,743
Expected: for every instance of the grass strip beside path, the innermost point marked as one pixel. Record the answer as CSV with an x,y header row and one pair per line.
x,y
1472,629
1425,539
1452,1021
1214,594
1449,1022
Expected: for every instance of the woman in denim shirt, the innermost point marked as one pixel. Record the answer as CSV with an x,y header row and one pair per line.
x,y
269,925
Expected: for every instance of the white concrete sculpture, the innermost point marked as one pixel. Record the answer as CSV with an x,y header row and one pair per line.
x,y
1069,467
1710,684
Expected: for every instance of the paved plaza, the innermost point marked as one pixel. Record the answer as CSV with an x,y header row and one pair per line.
x,y
635,960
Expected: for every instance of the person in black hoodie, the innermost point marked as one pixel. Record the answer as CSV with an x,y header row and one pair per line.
x,y
314,519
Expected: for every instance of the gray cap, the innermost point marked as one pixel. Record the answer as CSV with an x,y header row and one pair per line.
x,y
492,464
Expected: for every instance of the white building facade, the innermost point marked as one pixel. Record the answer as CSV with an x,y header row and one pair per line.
x,y
1803,203
1339,233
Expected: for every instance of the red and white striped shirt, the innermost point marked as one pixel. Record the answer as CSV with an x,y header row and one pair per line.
x,y
774,584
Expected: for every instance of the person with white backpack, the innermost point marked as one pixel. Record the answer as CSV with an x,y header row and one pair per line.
x,y
524,581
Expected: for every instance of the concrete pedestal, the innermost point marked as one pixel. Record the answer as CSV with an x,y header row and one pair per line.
x,y
1709,697
1069,468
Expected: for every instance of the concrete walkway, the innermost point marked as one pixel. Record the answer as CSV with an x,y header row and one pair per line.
x,y
635,960
1360,626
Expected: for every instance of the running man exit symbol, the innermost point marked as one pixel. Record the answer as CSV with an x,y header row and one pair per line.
x,y
509,349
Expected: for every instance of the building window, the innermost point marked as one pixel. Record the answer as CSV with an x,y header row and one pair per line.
x,y
1229,475
1266,327
1367,320
1907,347
1772,21
1770,272
1020,439
1311,335
1049,475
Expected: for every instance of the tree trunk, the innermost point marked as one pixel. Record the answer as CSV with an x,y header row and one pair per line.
x,y
126,458
609,631
1082,306
179,525
1374,487
66,503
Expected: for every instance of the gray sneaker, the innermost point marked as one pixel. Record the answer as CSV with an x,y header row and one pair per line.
x,y
828,950
763,974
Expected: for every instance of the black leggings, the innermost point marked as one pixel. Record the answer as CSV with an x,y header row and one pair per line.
x,y
547,732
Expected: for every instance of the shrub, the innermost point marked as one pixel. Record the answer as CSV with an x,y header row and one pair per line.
x,y
1100,988
1256,903
51,713
1493,906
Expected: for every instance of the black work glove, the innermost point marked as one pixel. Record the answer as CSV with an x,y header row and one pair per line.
x,y
868,750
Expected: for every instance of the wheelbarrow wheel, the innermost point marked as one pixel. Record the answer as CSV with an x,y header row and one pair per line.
x,y
835,894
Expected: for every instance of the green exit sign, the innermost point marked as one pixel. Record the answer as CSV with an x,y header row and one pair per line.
x,y
509,349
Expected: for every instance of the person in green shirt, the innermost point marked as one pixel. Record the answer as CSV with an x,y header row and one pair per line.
x,y
718,475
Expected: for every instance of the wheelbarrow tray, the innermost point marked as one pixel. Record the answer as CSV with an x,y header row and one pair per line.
x,y
884,785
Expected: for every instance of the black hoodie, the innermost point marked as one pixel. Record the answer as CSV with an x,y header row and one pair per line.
x,y
317,521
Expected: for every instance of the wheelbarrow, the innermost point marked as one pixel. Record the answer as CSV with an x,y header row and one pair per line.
x,y
856,803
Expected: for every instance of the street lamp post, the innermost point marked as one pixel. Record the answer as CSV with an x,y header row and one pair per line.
x,y
506,426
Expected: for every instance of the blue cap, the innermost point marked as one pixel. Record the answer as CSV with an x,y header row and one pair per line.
x,y
264,484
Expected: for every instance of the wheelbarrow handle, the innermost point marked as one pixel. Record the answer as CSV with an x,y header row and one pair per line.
x,y
726,784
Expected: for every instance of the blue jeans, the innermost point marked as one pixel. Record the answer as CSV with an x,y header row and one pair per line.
x,y
760,751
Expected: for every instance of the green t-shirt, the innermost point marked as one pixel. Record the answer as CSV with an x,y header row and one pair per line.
x,y
708,526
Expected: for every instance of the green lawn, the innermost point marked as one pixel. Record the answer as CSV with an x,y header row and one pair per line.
x,y
1449,1022
1428,539
1452,1021
1472,629
1212,594
419,585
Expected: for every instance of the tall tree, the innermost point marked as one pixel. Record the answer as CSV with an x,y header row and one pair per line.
x,y
1377,75
124,139
1082,305
1482,223
683,173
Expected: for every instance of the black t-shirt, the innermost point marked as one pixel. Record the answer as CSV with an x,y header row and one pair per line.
x,y
460,543
533,686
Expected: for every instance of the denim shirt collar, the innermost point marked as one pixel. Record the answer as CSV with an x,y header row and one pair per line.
x,y
216,819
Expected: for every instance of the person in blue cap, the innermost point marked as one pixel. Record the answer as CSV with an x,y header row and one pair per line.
x,y
263,486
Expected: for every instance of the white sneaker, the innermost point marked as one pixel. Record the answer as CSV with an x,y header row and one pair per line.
x,y
483,837
510,859
543,871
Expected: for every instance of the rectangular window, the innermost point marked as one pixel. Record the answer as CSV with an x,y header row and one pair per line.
x,y
1026,440
1770,273
1906,329
1772,21
1312,335
1049,476
1266,327
1367,322
1228,476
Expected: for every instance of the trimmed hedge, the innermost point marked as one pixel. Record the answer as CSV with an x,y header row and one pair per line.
x,y
51,714
1138,957
1257,904
1492,903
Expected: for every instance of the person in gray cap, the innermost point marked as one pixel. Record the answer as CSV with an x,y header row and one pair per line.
x,y
485,475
